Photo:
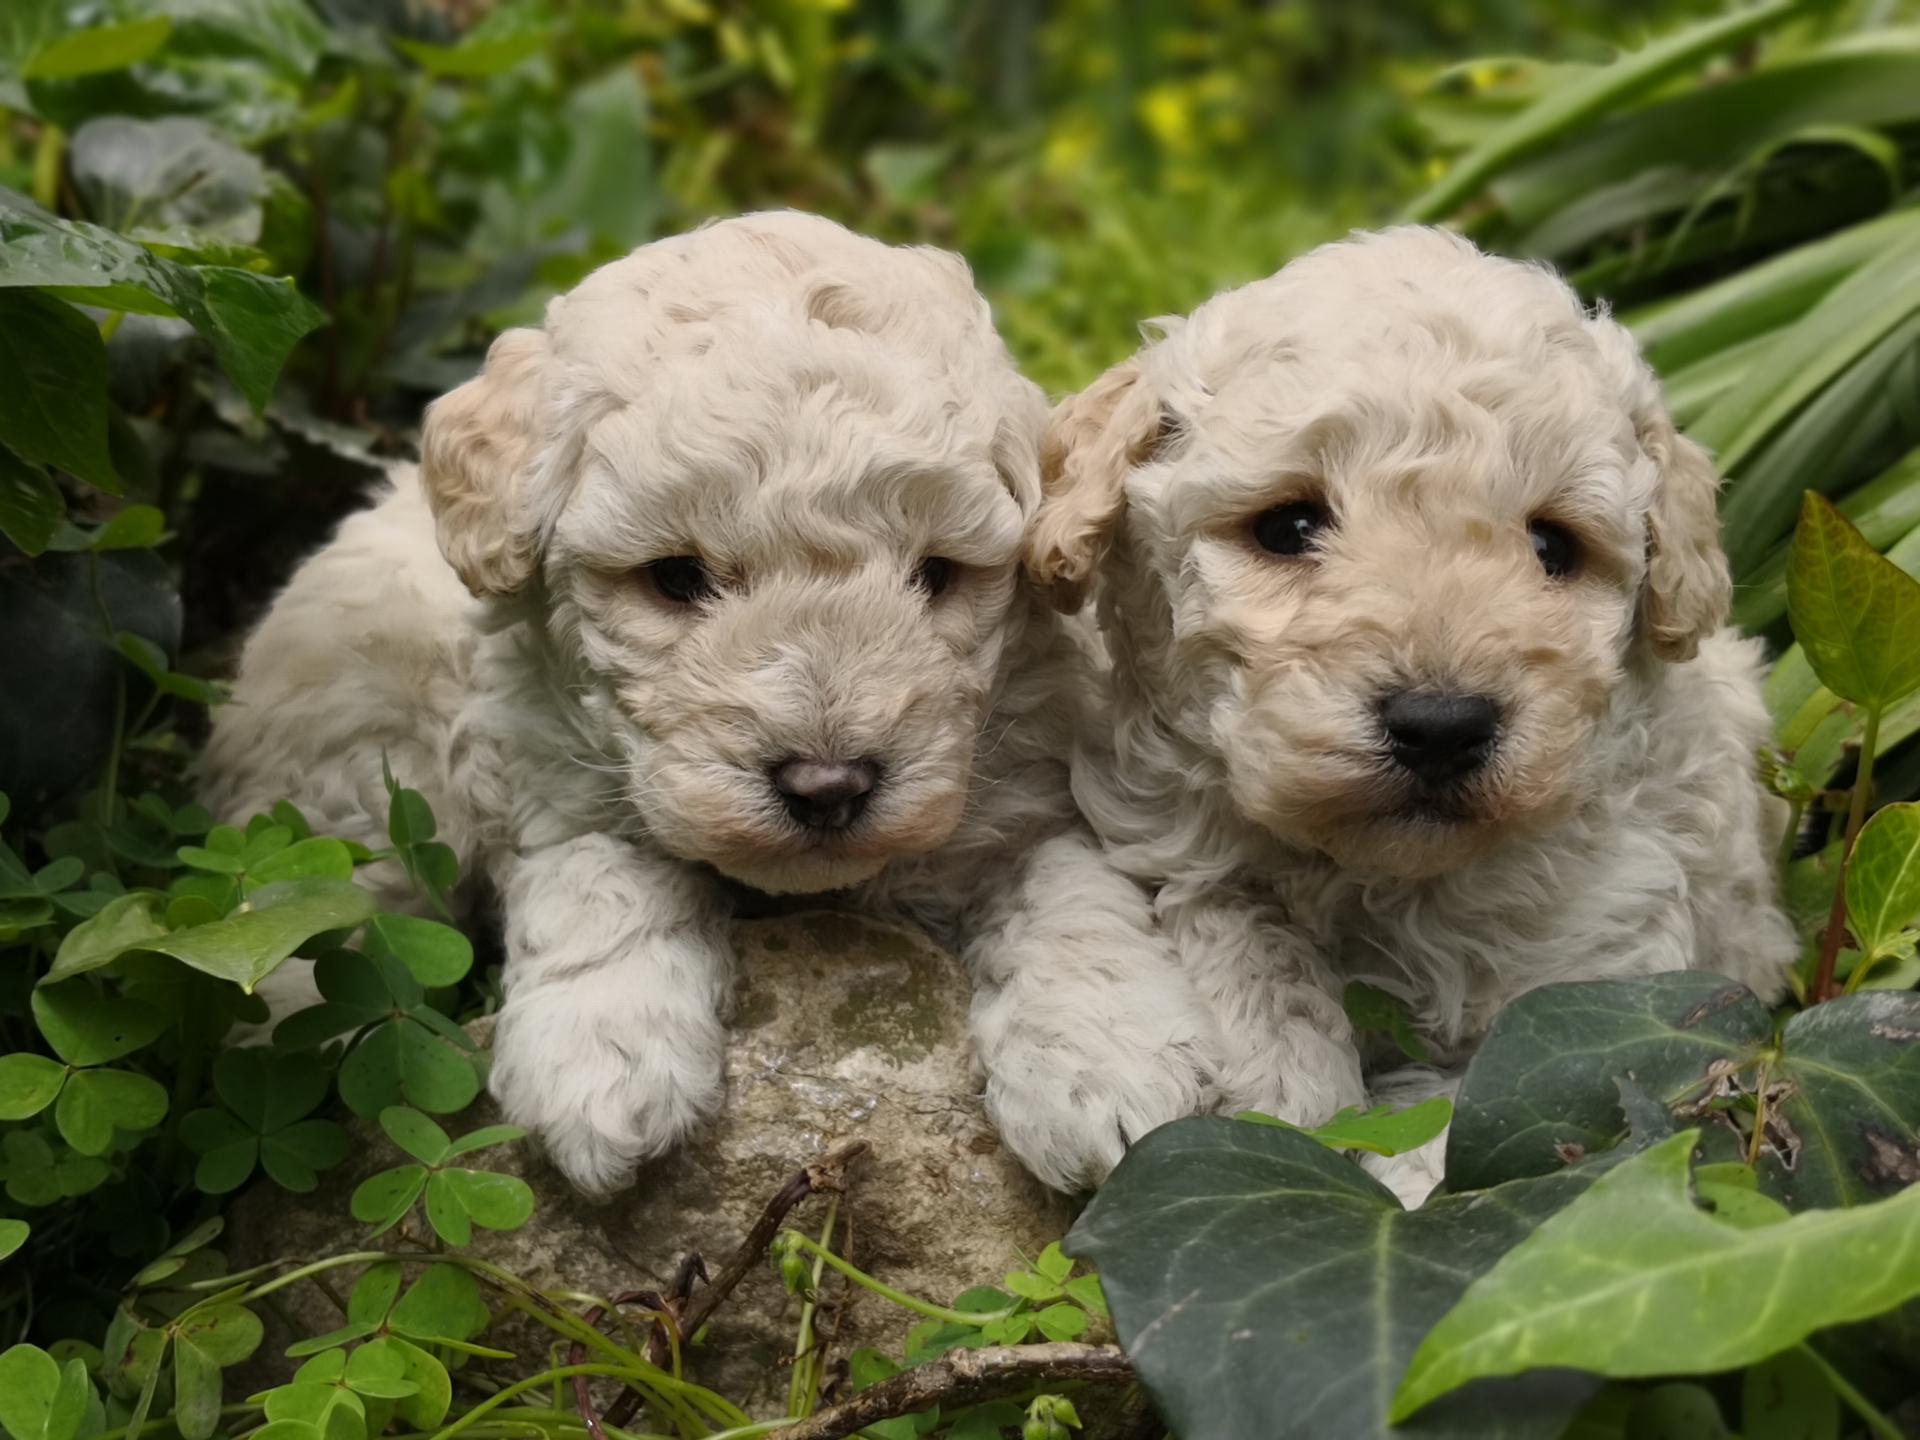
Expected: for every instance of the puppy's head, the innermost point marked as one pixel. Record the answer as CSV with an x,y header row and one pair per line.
x,y
766,483
1388,531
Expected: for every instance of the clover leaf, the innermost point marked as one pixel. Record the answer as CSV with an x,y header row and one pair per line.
x,y
457,1198
268,1099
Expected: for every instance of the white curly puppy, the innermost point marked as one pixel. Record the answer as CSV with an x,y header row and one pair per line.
x,y
731,588
1414,599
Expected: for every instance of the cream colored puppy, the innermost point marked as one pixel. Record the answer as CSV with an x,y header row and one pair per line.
x,y
731,587
1414,598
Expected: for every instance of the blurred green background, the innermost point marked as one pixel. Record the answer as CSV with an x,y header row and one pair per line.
x,y
355,195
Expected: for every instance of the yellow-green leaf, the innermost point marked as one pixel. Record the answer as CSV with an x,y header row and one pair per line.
x,y
1633,1280
1855,613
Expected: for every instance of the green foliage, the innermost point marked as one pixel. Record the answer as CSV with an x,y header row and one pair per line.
x,y
1633,1272
242,243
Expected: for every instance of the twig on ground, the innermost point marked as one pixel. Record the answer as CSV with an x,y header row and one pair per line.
x,y
577,1353
961,1377
690,1312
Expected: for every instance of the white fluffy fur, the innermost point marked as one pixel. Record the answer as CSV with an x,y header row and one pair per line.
x,y
1437,401
814,414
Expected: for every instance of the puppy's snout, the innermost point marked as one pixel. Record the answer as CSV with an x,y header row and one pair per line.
x,y
1439,738
825,794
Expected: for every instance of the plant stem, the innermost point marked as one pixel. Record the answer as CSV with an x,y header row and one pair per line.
x,y
1876,1422
802,1389
900,1297
1796,812
48,155
963,1377
1856,817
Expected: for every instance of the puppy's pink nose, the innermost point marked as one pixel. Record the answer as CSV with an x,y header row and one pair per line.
x,y
825,794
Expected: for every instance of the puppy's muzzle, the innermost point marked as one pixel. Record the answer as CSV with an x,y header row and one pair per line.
x,y
1439,739
825,795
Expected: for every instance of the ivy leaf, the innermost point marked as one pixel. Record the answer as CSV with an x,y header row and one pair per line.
x,y
1843,1083
1855,613
1221,1243
1539,1091
1883,878
28,1084
88,1027
1633,1280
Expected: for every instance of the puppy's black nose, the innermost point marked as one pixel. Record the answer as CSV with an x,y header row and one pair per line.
x,y
825,794
1439,738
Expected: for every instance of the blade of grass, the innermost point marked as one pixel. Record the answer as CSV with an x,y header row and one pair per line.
x,y
1595,94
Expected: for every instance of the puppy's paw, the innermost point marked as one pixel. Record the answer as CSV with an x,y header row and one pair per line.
x,y
1070,1121
600,1108
1412,1177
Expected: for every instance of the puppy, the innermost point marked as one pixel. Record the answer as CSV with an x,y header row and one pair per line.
x,y
1414,598
730,588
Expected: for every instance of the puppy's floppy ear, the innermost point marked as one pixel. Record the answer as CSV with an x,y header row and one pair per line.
x,y
475,448
1688,589
1688,586
1092,441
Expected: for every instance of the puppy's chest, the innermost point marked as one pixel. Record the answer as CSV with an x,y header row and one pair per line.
x,y
1456,954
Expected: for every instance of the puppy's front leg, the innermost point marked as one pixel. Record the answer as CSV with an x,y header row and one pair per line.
x,y
610,1045
1089,1035
1288,1048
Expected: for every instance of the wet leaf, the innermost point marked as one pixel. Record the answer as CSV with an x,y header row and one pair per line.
x,y
1633,1279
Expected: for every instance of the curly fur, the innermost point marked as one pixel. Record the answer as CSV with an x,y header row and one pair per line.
x,y
1436,401
814,414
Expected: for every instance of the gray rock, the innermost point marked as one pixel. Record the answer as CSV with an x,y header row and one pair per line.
x,y
844,1029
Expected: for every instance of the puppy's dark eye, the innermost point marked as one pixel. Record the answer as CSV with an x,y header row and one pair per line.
x,y
682,579
1555,548
934,575
1293,528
